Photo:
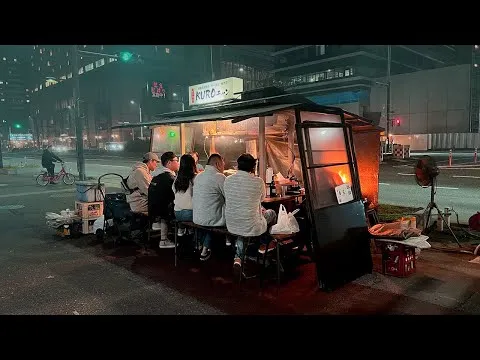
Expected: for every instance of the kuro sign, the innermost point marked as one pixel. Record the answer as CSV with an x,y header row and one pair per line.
x,y
215,91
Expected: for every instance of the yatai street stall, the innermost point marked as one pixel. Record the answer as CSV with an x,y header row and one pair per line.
x,y
333,153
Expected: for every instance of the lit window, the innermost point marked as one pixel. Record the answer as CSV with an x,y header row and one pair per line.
x,y
59,66
1,82
66,54
4,58
84,46
80,71
28,100
99,63
167,50
68,62
14,60
48,63
26,90
33,64
347,72
111,60
36,89
39,68
41,86
41,51
51,52
88,67
69,76
3,99
101,47
34,47
63,77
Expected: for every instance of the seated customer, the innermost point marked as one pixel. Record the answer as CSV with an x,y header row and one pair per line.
x,y
183,190
139,180
161,196
209,199
244,213
197,164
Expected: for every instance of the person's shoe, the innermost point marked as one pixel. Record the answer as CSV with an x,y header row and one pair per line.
x,y
205,255
228,242
237,270
166,244
181,232
156,226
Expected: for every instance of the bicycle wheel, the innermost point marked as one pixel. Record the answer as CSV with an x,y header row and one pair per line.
x,y
43,179
68,179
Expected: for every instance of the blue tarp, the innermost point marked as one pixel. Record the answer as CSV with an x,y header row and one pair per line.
x,y
340,97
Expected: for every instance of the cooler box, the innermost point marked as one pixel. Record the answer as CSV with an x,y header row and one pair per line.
x,y
90,191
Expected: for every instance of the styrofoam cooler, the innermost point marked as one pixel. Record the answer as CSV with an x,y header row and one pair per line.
x,y
90,191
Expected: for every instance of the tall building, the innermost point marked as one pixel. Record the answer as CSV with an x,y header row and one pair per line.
x,y
113,91
344,75
14,95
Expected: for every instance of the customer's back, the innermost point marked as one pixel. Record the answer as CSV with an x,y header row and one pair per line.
x,y
208,194
243,195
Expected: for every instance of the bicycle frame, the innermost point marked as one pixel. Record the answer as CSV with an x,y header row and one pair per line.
x,y
56,176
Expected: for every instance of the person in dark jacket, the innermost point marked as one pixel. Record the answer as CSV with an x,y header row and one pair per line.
x,y
161,196
48,160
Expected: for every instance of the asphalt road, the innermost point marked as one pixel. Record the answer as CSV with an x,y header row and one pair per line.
x,y
42,275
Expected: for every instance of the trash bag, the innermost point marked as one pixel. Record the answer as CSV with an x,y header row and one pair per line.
x,y
474,222
286,222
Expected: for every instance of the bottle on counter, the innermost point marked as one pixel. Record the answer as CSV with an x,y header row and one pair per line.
x,y
273,189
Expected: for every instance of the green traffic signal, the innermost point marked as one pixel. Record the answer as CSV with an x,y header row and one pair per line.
x,y
171,134
17,126
126,56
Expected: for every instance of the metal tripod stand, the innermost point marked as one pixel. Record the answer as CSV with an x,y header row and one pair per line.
x,y
432,205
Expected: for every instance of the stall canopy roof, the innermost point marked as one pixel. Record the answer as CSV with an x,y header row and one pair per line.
x,y
238,110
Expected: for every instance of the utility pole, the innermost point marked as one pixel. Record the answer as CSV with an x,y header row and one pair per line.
x,y
78,119
141,127
389,60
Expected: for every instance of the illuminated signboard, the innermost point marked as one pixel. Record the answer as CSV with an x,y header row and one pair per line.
x,y
21,137
157,90
215,91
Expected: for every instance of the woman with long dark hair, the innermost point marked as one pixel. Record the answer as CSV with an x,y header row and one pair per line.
x,y
183,189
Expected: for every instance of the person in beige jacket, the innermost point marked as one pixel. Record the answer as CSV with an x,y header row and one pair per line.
x,y
139,180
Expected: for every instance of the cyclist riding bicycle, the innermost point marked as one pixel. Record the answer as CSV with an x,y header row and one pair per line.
x,y
48,160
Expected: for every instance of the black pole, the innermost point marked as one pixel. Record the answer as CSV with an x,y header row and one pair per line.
x,y
1,156
78,119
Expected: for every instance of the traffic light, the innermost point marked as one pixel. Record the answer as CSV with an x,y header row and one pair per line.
x,y
17,126
171,134
126,56
397,121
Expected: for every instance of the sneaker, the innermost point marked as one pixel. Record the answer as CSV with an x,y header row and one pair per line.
x,y
205,255
156,226
237,270
166,244
228,242
181,232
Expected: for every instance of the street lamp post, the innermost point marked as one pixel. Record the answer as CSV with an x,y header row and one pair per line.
x,y
140,114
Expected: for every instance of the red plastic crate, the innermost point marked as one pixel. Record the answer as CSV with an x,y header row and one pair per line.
x,y
398,260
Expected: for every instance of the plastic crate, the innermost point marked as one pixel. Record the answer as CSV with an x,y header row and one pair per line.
x,y
398,260
88,210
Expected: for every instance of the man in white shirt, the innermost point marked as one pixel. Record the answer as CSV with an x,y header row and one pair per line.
x,y
209,199
244,213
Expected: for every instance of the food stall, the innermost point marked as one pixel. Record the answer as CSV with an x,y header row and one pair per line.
x,y
333,153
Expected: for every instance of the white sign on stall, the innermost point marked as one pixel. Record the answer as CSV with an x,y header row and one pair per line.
x,y
344,193
215,91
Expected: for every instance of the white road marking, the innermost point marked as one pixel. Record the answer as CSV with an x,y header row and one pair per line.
x,y
35,193
380,183
403,174
11,207
466,176
446,187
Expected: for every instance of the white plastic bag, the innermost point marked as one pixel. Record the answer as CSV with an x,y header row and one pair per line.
x,y
286,222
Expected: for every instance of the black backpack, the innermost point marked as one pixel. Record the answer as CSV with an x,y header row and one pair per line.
x,y
126,187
